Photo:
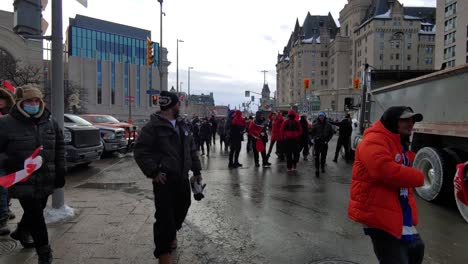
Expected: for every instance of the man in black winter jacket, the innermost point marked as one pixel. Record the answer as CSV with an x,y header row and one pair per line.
x,y
205,136
344,138
322,132
29,126
165,152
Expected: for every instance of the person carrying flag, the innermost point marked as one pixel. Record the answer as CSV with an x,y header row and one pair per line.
x,y
6,102
38,128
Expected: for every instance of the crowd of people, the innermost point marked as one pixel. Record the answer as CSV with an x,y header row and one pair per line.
x,y
168,147
289,135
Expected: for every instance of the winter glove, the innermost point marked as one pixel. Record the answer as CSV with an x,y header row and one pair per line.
x,y
196,182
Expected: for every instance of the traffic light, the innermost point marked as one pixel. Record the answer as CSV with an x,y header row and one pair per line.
x,y
28,17
154,98
149,52
357,84
306,84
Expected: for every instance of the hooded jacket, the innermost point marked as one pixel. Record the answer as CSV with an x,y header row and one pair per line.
x,y
237,127
322,131
378,175
10,101
291,128
206,130
161,148
276,134
20,135
260,122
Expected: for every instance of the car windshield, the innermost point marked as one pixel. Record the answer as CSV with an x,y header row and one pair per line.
x,y
105,119
76,120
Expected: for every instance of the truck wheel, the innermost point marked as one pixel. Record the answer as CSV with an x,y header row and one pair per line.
x,y
462,208
438,181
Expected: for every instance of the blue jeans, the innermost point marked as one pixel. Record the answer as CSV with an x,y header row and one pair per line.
x,y
3,200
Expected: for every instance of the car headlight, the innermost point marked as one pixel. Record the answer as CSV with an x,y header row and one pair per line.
x,y
108,135
67,136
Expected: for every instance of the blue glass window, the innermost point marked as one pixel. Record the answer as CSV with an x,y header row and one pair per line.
x,y
90,48
99,82
107,44
125,83
137,85
113,83
93,42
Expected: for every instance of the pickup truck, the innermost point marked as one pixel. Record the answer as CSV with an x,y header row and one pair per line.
x,y
112,138
108,121
82,141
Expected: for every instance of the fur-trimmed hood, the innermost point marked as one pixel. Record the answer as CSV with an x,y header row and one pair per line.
x,y
5,94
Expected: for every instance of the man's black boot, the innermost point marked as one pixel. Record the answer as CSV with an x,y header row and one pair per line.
x,y
317,173
45,254
23,237
4,230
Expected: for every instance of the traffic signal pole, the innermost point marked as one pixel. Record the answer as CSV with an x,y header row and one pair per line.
x,y
362,114
58,197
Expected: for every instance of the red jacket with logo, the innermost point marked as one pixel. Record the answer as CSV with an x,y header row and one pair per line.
x,y
378,175
276,128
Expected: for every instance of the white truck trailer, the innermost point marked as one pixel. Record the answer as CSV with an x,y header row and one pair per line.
x,y
440,141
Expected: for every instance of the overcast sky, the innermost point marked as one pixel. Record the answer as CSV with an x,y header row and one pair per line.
x,y
227,42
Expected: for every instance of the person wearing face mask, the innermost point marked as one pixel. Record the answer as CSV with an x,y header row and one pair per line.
x,y
28,126
165,152
382,188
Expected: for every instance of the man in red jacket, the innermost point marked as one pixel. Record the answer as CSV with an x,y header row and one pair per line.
x,y
382,188
276,137
291,131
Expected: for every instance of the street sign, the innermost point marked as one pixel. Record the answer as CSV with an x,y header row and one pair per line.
x,y
130,98
153,92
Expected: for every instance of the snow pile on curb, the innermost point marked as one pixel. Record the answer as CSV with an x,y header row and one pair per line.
x,y
53,215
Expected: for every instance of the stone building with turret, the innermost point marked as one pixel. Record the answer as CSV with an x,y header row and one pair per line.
x,y
382,33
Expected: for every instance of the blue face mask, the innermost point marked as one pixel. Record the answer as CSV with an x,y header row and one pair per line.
x,y
31,109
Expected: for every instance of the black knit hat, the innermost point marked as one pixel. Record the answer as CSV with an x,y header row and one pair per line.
x,y
167,100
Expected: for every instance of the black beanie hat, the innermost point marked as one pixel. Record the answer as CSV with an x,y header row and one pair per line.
x,y
167,100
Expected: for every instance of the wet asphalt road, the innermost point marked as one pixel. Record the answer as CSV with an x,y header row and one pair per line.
x,y
267,215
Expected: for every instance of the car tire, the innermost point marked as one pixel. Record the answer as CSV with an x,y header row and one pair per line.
x,y
438,170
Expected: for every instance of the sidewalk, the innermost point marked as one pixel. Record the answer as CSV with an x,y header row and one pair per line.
x,y
110,226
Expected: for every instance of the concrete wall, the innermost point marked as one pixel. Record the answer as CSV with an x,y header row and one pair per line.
x,y
28,52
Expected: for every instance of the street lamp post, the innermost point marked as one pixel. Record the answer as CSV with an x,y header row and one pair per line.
x,y
181,86
160,45
177,63
189,68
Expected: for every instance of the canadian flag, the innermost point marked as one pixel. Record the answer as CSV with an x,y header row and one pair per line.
x,y
9,86
31,164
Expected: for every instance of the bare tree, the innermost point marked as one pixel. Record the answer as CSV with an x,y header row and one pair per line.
x,y
74,96
18,74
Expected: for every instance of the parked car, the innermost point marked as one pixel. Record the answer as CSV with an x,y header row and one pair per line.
x,y
110,121
82,141
112,138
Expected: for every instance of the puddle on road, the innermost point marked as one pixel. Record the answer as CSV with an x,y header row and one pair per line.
x,y
293,188
107,186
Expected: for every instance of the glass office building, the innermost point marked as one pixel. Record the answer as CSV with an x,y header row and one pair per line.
x,y
114,44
